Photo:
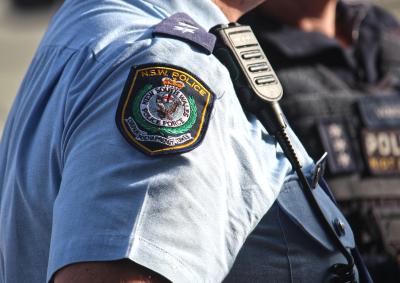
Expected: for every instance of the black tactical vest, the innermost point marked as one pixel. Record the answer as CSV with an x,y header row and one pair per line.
x,y
359,127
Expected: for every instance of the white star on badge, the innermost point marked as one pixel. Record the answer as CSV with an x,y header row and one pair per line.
x,y
185,28
344,160
340,145
335,131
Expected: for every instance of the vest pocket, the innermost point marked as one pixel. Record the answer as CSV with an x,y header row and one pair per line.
x,y
294,204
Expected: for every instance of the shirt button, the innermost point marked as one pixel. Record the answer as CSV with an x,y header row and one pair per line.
x,y
340,227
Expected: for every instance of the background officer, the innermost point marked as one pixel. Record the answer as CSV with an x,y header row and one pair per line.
x,y
339,65
125,159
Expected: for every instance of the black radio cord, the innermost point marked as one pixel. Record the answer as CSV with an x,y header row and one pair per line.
x,y
342,273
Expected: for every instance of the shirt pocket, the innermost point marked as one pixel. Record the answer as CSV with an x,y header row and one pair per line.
x,y
294,204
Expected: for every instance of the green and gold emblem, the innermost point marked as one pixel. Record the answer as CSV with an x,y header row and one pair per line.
x,y
164,109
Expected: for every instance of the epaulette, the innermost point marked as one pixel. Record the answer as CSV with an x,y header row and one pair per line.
x,y
183,27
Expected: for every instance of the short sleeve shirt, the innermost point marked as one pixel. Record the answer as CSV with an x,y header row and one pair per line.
x,y
73,189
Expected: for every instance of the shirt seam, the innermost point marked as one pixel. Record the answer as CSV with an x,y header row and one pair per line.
x,y
287,251
150,243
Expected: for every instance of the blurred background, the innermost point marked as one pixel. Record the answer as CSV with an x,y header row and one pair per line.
x,y
22,24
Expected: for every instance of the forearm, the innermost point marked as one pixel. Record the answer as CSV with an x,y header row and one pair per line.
x,y
123,271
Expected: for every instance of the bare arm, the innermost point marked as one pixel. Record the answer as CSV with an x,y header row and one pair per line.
x,y
122,271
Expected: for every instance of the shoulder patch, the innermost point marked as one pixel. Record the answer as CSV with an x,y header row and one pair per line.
x,y
183,27
164,109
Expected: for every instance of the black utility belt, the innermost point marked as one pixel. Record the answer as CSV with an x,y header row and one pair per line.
x,y
369,145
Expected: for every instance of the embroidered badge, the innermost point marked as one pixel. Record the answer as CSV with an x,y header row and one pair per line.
x,y
382,151
164,109
336,141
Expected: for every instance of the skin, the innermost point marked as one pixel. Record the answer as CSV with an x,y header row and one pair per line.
x,y
234,9
122,271
125,271
308,15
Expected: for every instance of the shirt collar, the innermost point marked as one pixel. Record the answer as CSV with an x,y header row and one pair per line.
x,y
204,12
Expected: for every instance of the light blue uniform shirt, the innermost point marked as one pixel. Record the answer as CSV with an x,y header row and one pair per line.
x,y
72,188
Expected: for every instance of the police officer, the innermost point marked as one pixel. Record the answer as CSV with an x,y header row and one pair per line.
x,y
339,66
128,157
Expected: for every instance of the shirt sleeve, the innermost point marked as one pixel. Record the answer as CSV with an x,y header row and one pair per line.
x,y
184,216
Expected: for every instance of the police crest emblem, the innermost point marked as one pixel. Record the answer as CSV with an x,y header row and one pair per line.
x,y
164,109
